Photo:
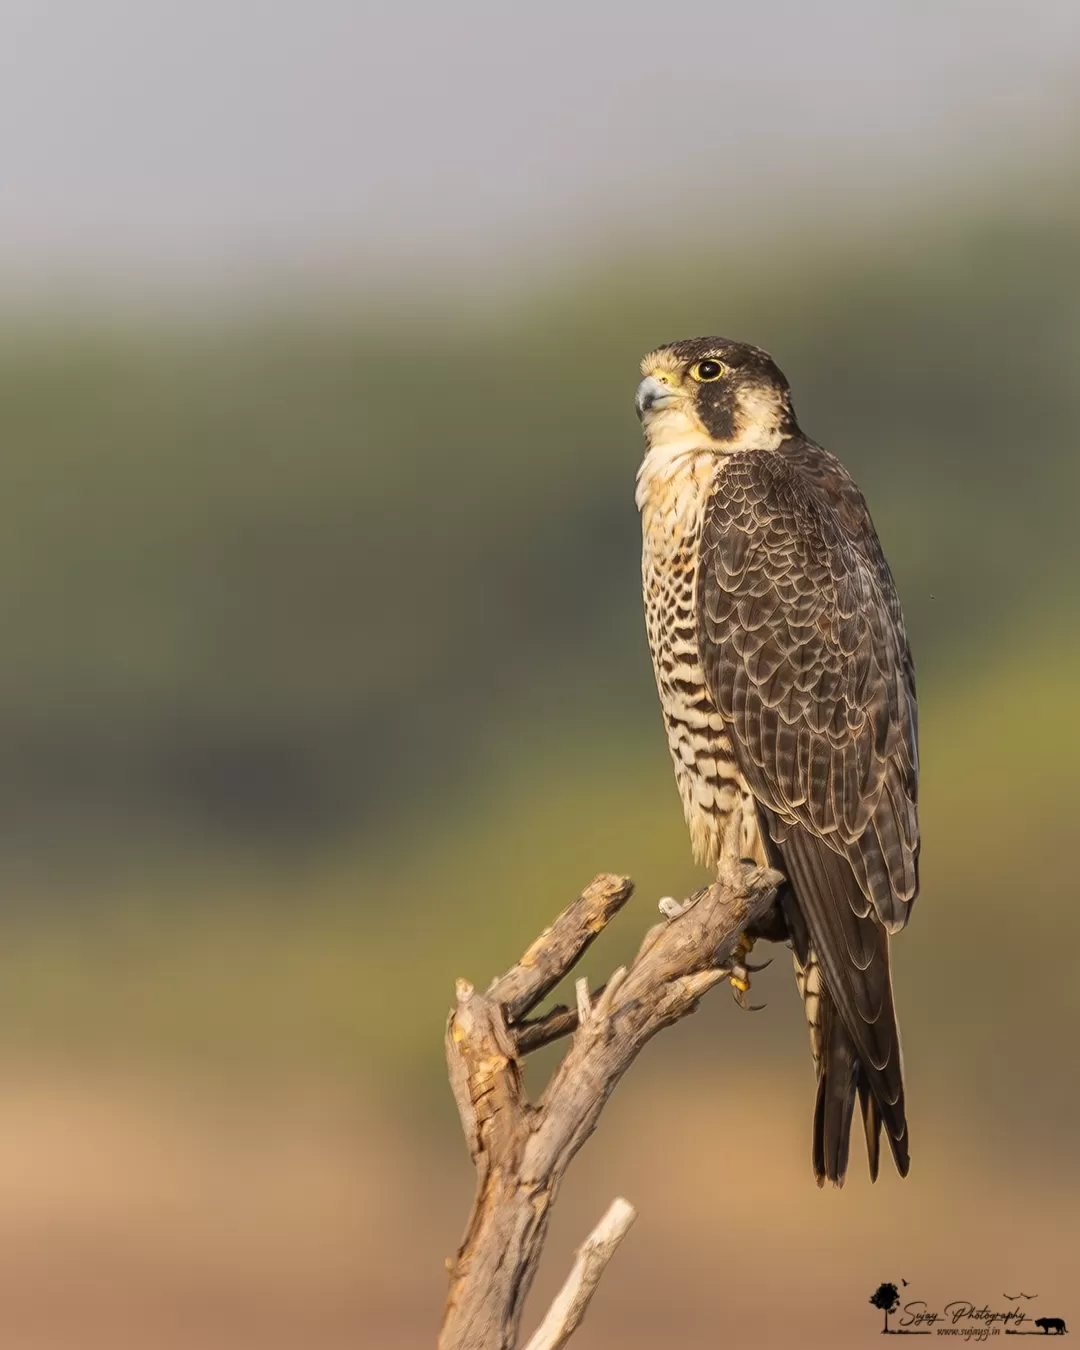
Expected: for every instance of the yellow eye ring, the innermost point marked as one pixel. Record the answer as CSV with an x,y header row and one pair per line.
x,y
708,370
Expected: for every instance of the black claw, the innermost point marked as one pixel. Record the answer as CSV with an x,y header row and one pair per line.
x,y
740,998
754,969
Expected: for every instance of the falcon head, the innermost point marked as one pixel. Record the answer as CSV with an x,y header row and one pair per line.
x,y
714,391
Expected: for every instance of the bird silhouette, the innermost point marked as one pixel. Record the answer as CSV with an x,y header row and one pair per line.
x,y
1013,1297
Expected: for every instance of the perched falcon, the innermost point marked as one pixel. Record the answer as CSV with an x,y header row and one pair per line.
x,y
787,687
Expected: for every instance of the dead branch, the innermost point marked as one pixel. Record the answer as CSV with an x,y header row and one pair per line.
x,y
520,1150
565,1314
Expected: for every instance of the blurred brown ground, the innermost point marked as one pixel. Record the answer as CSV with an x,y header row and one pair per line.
x,y
136,1215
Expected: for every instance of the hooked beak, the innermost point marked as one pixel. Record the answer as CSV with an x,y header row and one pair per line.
x,y
654,393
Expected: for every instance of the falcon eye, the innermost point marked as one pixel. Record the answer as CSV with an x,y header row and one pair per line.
x,y
708,370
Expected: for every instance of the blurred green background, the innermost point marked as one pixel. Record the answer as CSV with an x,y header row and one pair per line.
x,y
324,679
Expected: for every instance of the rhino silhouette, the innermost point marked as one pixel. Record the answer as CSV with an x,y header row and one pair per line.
x,y
1048,1324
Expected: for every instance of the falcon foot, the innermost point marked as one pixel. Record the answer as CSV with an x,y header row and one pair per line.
x,y
741,971
738,970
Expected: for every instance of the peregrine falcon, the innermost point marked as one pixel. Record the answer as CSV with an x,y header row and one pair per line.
x,y
788,691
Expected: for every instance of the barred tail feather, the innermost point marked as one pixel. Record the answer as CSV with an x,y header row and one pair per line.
x,y
837,1075
843,967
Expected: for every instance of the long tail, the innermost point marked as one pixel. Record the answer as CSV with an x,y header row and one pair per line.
x,y
840,1078
842,964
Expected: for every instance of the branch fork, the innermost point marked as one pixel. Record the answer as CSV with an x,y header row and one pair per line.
x,y
520,1150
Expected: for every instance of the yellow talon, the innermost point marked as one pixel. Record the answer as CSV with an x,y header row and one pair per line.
x,y
740,980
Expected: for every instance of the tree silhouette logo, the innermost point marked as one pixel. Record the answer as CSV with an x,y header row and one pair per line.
x,y
960,1317
887,1298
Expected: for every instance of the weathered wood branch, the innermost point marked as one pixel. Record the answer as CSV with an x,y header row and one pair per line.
x,y
520,1150
564,1316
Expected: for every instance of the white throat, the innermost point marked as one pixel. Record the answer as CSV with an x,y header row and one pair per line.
x,y
675,446
675,439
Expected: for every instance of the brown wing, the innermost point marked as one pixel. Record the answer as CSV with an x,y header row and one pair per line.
x,y
805,653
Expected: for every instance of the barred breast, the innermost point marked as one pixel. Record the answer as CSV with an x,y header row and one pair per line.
x,y
672,497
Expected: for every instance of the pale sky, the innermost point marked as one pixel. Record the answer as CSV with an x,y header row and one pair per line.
x,y
231,142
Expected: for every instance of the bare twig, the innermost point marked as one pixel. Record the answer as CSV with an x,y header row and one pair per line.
x,y
540,1031
566,1312
584,1005
560,947
521,1151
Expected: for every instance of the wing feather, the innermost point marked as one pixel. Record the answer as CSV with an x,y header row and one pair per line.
x,y
806,655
